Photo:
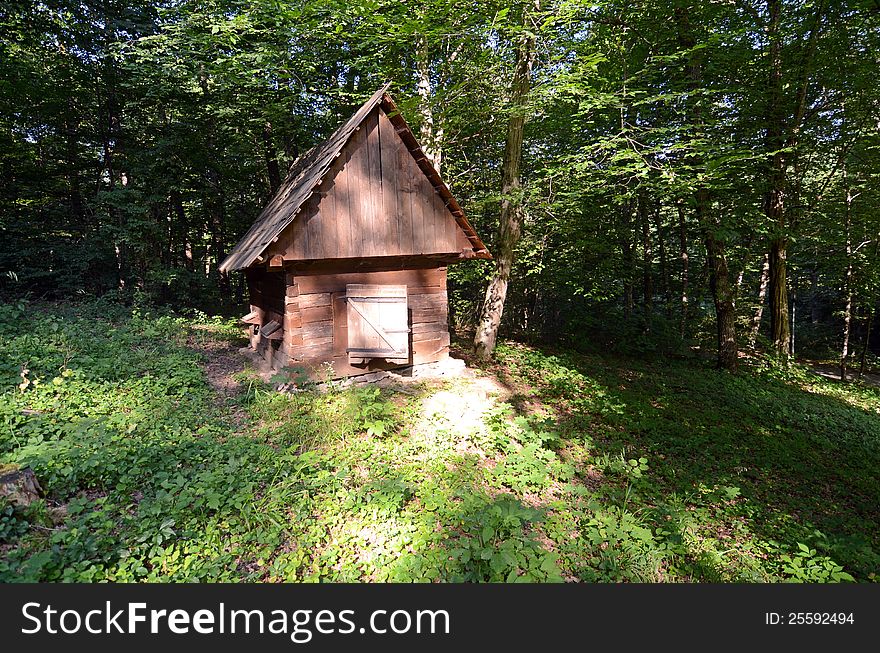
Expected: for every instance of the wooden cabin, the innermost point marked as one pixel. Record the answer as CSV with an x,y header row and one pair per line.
x,y
346,266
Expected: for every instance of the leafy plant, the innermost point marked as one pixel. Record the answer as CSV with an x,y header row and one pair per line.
x,y
12,525
497,547
375,414
806,566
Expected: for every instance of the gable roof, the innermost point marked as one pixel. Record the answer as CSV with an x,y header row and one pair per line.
x,y
309,171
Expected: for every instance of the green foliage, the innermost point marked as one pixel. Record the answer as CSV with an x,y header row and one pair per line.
x,y
138,142
498,550
713,466
529,462
12,525
623,476
374,413
806,566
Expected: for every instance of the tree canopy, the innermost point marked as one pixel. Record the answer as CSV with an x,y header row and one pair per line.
x,y
684,165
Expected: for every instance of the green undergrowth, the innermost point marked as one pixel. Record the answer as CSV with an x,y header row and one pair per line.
x,y
594,469
765,475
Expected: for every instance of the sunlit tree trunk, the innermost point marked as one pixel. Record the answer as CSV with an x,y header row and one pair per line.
x,y
847,284
762,299
510,223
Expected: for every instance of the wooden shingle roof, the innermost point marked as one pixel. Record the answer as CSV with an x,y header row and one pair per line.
x,y
308,172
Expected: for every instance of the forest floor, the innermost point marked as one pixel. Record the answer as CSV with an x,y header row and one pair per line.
x,y
165,456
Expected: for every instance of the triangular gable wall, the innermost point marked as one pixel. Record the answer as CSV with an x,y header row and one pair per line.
x,y
374,201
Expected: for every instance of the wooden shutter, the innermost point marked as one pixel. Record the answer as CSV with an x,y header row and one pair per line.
x,y
378,325
272,330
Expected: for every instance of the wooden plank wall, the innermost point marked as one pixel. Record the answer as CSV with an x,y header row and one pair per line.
x,y
374,201
316,329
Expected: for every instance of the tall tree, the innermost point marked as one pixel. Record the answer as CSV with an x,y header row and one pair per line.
x,y
511,218
785,115
707,219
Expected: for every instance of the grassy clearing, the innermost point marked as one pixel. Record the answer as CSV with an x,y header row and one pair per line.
x,y
585,468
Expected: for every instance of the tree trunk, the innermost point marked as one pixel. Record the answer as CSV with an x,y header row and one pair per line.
x,y
664,261
719,275
762,297
780,329
110,137
847,284
814,290
784,122
168,253
74,194
774,197
722,296
742,272
510,224
793,322
866,341
626,250
177,204
271,156
847,322
647,259
215,203
683,256
872,310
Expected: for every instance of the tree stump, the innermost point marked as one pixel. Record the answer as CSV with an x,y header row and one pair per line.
x,y
19,486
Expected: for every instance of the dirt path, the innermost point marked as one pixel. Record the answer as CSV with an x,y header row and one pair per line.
x,y
222,362
830,371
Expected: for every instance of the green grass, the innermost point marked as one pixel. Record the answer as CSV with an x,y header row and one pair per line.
x,y
595,469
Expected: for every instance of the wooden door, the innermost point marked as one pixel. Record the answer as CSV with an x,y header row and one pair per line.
x,y
378,325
